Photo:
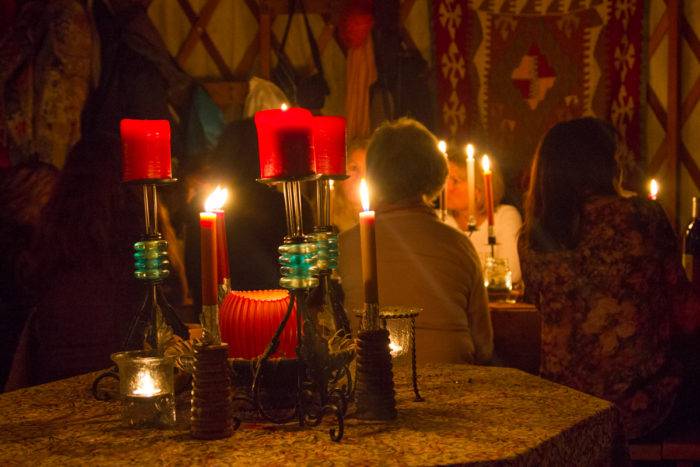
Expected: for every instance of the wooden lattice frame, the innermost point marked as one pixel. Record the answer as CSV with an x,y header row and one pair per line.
x,y
672,149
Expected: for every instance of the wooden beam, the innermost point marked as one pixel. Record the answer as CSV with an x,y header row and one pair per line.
x,y
211,49
264,33
199,25
690,164
658,158
658,34
690,101
673,112
655,104
690,37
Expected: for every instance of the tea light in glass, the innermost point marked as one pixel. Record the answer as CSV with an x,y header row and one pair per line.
x,y
146,386
497,278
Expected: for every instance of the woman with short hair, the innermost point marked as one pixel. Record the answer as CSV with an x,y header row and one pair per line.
x,y
421,262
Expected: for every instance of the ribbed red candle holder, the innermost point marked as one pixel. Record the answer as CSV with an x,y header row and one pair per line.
x,y
249,319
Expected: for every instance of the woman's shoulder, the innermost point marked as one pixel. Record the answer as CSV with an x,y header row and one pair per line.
x,y
505,213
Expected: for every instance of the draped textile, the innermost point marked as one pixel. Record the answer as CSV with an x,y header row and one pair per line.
x,y
509,69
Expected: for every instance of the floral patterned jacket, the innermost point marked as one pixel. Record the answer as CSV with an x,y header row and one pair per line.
x,y
45,66
610,307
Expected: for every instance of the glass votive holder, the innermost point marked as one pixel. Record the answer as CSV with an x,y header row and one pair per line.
x,y
497,278
146,387
400,321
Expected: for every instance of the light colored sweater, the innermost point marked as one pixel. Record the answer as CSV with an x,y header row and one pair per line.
x,y
425,263
507,223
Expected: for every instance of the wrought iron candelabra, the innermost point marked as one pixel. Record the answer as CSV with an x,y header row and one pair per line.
x,y
324,383
156,321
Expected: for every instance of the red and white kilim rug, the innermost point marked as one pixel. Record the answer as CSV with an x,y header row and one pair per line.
x,y
509,69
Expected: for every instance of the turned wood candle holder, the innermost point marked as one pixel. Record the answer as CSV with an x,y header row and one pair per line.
x,y
374,386
211,414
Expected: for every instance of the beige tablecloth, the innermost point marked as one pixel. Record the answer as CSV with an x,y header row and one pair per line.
x,y
472,415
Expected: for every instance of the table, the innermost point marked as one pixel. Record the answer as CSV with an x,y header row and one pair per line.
x,y
472,415
516,335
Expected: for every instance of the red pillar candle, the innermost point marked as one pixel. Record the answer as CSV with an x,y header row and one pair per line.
x,y
145,149
215,203
488,188
368,247
285,143
329,145
207,229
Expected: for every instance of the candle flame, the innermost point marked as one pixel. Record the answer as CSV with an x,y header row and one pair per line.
x,y
364,195
216,200
486,164
284,107
331,182
653,188
470,152
442,146
394,348
145,385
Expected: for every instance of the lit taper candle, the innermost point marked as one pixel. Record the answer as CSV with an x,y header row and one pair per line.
x,y
471,180
442,146
368,248
653,189
215,203
488,198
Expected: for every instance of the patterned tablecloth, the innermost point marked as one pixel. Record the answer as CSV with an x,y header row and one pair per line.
x,y
472,415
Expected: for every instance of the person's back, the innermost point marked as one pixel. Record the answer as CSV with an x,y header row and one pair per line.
x,y
420,261
427,264
605,275
606,309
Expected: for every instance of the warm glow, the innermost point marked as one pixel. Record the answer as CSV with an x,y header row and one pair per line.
x,y
394,348
216,200
284,107
470,152
442,146
145,385
331,183
364,195
486,164
653,188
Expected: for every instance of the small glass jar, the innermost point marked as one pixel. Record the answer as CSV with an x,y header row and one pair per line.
x,y
497,278
146,386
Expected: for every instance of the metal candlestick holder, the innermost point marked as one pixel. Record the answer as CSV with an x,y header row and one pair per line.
x,y
325,300
323,377
156,321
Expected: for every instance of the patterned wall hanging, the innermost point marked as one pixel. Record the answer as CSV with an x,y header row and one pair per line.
x,y
509,69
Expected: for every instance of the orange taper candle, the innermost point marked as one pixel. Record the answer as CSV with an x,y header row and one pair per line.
x,y
368,247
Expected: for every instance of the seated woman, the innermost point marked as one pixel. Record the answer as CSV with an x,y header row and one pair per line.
x,y
507,220
421,261
346,197
605,275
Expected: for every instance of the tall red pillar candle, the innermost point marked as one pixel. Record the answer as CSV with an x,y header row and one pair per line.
x,y
145,149
368,247
488,188
329,145
285,143
207,229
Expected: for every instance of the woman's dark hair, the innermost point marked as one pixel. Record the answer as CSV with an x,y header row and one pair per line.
x,y
575,161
